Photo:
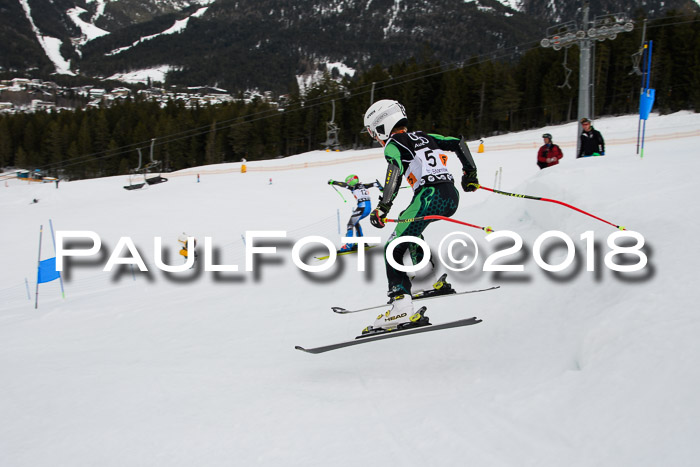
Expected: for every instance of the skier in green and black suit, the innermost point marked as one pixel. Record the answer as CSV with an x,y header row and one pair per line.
x,y
419,158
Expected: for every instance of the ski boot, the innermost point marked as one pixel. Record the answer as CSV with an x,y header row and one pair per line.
x,y
348,247
400,316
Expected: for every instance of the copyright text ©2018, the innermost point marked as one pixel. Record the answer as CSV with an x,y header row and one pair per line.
x,y
461,251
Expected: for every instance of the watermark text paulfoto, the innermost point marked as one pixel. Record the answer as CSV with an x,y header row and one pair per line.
x,y
457,251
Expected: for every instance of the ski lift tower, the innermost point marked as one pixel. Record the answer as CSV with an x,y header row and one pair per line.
x,y
332,131
567,34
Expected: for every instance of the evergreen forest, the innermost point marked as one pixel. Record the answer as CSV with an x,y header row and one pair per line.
x,y
508,90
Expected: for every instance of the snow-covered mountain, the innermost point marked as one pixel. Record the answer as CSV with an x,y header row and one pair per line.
x,y
231,41
63,27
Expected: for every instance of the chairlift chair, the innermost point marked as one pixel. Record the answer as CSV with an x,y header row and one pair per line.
x,y
133,182
152,167
332,131
137,178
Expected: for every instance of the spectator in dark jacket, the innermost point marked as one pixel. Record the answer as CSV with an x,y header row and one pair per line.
x,y
591,141
549,154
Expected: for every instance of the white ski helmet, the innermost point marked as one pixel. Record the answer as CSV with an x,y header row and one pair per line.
x,y
382,117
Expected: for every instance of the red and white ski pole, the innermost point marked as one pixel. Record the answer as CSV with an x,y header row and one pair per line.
x,y
537,198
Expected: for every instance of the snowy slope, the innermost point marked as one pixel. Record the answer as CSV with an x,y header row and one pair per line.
x,y
199,368
51,45
176,28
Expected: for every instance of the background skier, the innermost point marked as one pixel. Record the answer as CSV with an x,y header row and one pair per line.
x,y
184,251
417,156
361,193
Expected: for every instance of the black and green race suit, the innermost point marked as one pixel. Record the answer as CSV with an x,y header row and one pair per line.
x,y
419,157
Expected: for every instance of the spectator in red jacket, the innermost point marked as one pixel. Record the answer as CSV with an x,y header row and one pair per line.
x,y
549,154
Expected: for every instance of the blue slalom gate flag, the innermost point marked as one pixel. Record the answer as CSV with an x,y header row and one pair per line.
x,y
646,102
47,271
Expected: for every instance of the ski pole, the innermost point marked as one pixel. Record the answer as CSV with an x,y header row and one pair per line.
x,y
339,194
536,198
486,229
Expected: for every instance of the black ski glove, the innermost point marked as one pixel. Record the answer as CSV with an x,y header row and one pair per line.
x,y
377,216
469,181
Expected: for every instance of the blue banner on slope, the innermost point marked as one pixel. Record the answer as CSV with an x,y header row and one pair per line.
x,y
47,271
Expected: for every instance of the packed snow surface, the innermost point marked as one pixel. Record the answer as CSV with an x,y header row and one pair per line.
x,y
578,368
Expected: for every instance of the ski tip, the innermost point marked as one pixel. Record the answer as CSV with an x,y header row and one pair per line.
x,y
338,309
315,350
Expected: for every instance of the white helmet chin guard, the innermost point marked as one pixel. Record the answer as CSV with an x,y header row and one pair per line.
x,y
382,117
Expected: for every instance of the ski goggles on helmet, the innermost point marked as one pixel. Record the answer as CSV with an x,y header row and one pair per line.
x,y
370,132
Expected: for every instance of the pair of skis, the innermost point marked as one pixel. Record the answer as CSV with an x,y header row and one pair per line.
x,y
398,332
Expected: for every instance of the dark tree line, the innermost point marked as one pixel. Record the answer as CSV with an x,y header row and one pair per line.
x,y
478,98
